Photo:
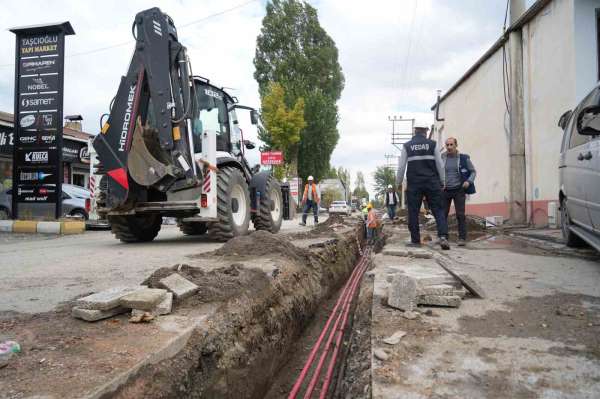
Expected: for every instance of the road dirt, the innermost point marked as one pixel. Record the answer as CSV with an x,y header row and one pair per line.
x,y
257,294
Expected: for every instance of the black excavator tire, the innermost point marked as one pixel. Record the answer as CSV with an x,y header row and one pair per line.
x,y
192,228
135,228
263,219
225,228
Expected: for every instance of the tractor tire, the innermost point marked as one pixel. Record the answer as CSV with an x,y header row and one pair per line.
x,y
233,205
192,228
135,228
269,215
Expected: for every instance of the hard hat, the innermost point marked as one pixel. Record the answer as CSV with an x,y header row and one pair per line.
x,y
370,206
390,186
310,178
421,125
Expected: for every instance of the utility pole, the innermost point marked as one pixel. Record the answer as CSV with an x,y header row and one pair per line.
x,y
517,173
399,138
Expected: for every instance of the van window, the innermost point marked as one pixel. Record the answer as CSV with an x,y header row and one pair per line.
x,y
576,138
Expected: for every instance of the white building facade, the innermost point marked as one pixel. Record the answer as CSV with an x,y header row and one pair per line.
x,y
560,53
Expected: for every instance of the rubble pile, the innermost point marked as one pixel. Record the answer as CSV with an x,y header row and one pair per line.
x,y
144,303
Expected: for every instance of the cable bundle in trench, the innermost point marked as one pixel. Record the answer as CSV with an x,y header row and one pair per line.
x,y
339,317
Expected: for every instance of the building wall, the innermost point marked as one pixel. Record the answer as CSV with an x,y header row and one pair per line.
x,y
560,68
475,113
586,53
549,91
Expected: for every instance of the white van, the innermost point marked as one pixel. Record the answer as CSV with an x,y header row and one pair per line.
x,y
579,172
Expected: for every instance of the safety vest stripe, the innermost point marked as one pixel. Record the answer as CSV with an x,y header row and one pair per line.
x,y
421,158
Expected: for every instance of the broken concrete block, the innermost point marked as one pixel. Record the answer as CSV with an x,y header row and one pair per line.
x,y
146,299
94,314
395,337
464,278
420,253
437,280
161,309
178,285
380,354
107,299
402,292
396,252
410,315
165,306
440,289
452,301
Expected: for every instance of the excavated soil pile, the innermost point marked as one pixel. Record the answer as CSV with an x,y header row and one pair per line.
x,y
262,310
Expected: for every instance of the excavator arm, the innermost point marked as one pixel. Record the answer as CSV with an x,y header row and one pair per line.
x,y
146,140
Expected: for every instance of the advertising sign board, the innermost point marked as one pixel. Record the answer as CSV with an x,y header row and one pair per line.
x,y
37,138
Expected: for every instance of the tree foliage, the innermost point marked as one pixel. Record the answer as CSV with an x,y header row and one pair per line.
x,y
383,177
283,124
296,52
329,195
360,190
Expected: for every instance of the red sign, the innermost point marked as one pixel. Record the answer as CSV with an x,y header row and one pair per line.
x,y
271,158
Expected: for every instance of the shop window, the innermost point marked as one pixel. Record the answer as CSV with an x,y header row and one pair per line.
x,y
5,174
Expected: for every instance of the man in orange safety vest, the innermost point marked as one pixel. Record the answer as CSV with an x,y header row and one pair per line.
x,y
310,199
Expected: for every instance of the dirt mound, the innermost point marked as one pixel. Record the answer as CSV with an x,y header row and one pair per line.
x,y
260,243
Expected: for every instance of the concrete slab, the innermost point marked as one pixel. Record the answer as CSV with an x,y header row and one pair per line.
x,y
107,299
161,309
464,278
440,289
402,292
95,315
145,299
178,285
452,301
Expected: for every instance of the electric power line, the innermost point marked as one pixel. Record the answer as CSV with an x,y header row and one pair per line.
x,y
130,42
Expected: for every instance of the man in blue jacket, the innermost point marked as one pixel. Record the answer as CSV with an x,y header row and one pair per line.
x,y
460,180
422,162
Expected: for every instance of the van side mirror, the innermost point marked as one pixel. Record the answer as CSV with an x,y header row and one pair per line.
x,y
564,118
588,121
254,117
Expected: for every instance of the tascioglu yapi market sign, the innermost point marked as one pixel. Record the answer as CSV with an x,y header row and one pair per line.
x,y
38,141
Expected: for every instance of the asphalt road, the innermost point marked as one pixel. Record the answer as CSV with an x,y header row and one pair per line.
x,y
40,271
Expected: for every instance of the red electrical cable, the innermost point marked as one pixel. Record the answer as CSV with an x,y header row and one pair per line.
x,y
313,352
340,334
346,301
311,357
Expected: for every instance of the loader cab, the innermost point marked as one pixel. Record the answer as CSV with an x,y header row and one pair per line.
x,y
211,113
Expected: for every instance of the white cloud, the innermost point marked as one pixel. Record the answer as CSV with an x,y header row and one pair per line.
x,y
394,55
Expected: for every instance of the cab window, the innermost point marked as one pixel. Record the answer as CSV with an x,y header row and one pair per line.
x,y
210,114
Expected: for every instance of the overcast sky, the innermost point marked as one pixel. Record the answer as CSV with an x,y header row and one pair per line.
x,y
394,54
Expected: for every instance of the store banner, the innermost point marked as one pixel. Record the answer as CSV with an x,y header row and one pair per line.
x,y
37,140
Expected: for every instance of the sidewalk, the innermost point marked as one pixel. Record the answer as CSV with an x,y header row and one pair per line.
x,y
536,334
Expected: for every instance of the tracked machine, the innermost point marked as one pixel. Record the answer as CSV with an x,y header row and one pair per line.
x,y
172,146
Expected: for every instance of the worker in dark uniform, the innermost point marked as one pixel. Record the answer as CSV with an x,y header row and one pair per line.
x,y
425,174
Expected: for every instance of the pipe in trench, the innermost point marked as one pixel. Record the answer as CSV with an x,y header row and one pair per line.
x,y
344,300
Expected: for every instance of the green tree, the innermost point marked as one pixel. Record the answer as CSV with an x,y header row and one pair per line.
x,y
329,195
283,125
383,177
295,51
360,191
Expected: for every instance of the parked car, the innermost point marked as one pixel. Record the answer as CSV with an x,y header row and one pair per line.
x,y
75,202
340,207
579,172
